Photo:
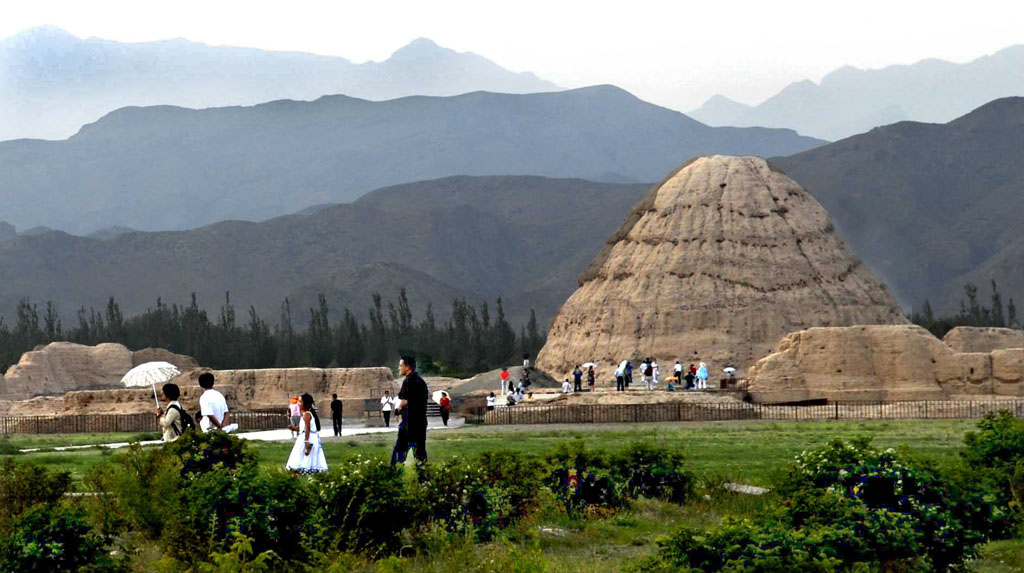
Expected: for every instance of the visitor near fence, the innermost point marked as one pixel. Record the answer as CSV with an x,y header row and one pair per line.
x,y
702,376
386,404
629,373
294,412
690,377
566,387
337,408
307,455
490,402
620,377
505,382
171,422
590,378
213,407
577,379
412,429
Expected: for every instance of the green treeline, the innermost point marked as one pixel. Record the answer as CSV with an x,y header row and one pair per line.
x,y
471,340
972,313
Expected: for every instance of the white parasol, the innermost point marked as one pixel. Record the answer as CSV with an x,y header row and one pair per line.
x,y
589,364
436,396
728,369
150,374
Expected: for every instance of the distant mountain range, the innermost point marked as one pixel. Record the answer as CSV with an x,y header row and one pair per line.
x,y
522,238
926,206
52,83
849,101
930,207
162,168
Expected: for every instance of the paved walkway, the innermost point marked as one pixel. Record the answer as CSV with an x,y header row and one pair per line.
x,y
281,435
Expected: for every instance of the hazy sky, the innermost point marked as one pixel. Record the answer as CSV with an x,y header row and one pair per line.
x,y
675,53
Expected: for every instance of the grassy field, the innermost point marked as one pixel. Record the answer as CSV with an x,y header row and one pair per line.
x,y
749,452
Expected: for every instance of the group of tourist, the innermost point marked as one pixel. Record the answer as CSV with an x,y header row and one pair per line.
x,y
307,455
693,378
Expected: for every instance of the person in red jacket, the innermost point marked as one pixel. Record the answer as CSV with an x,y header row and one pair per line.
x,y
446,408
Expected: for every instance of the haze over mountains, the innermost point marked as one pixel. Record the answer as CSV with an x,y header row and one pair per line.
x,y
163,167
850,101
52,83
930,206
521,238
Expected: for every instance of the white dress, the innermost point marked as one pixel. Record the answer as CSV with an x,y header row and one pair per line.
x,y
298,460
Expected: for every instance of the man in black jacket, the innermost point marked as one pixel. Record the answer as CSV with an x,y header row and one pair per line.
x,y
336,409
412,429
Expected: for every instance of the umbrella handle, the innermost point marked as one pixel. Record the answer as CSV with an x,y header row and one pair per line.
x,y
155,399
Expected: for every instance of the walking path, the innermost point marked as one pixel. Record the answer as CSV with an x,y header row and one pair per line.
x,y
281,435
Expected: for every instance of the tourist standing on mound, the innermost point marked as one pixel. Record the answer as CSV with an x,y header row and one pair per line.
x,y
629,374
702,376
526,362
307,455
337,408
577,379
654,371
385,408
590,378
490,402
689,380
566,387
647,373
412,429
505,376
620,377
212,406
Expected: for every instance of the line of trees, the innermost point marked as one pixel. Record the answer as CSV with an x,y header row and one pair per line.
x,y
972,313
471,340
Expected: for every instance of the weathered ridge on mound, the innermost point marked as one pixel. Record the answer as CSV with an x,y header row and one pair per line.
x,y
886,363
718,262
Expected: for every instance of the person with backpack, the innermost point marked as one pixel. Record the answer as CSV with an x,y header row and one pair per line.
x,y
175,421
577,379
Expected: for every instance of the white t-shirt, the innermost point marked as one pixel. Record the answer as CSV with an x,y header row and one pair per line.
x,y
385,403
679,368
212,403
490,400
566,387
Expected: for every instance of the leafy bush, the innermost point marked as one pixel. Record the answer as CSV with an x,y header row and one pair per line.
x,y
50,538
845,507
364,501
203,451
652,471
143,492
23,486
994,450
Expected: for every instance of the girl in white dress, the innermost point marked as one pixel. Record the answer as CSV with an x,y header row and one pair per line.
x,y
307,455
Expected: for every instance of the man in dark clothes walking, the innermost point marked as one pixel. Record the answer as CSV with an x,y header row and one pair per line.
x,y
336,408
412,429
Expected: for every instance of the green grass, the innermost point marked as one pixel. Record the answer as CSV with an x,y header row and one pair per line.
x,y
741,451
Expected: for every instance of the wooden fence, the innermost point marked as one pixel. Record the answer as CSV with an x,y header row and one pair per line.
x,y
697,412
105,423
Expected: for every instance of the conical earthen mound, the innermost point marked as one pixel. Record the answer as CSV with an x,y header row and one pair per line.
x,y
717,263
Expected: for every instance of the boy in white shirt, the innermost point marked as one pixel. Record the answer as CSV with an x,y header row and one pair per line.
x,y
386,404
212,406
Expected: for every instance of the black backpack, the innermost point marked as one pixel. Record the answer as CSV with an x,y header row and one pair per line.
x,y
187,423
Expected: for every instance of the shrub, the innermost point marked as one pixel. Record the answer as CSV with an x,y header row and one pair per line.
x,y
993,452
201,452
23,486
364,501
652,471
143,492
845,507
514,481
50,538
